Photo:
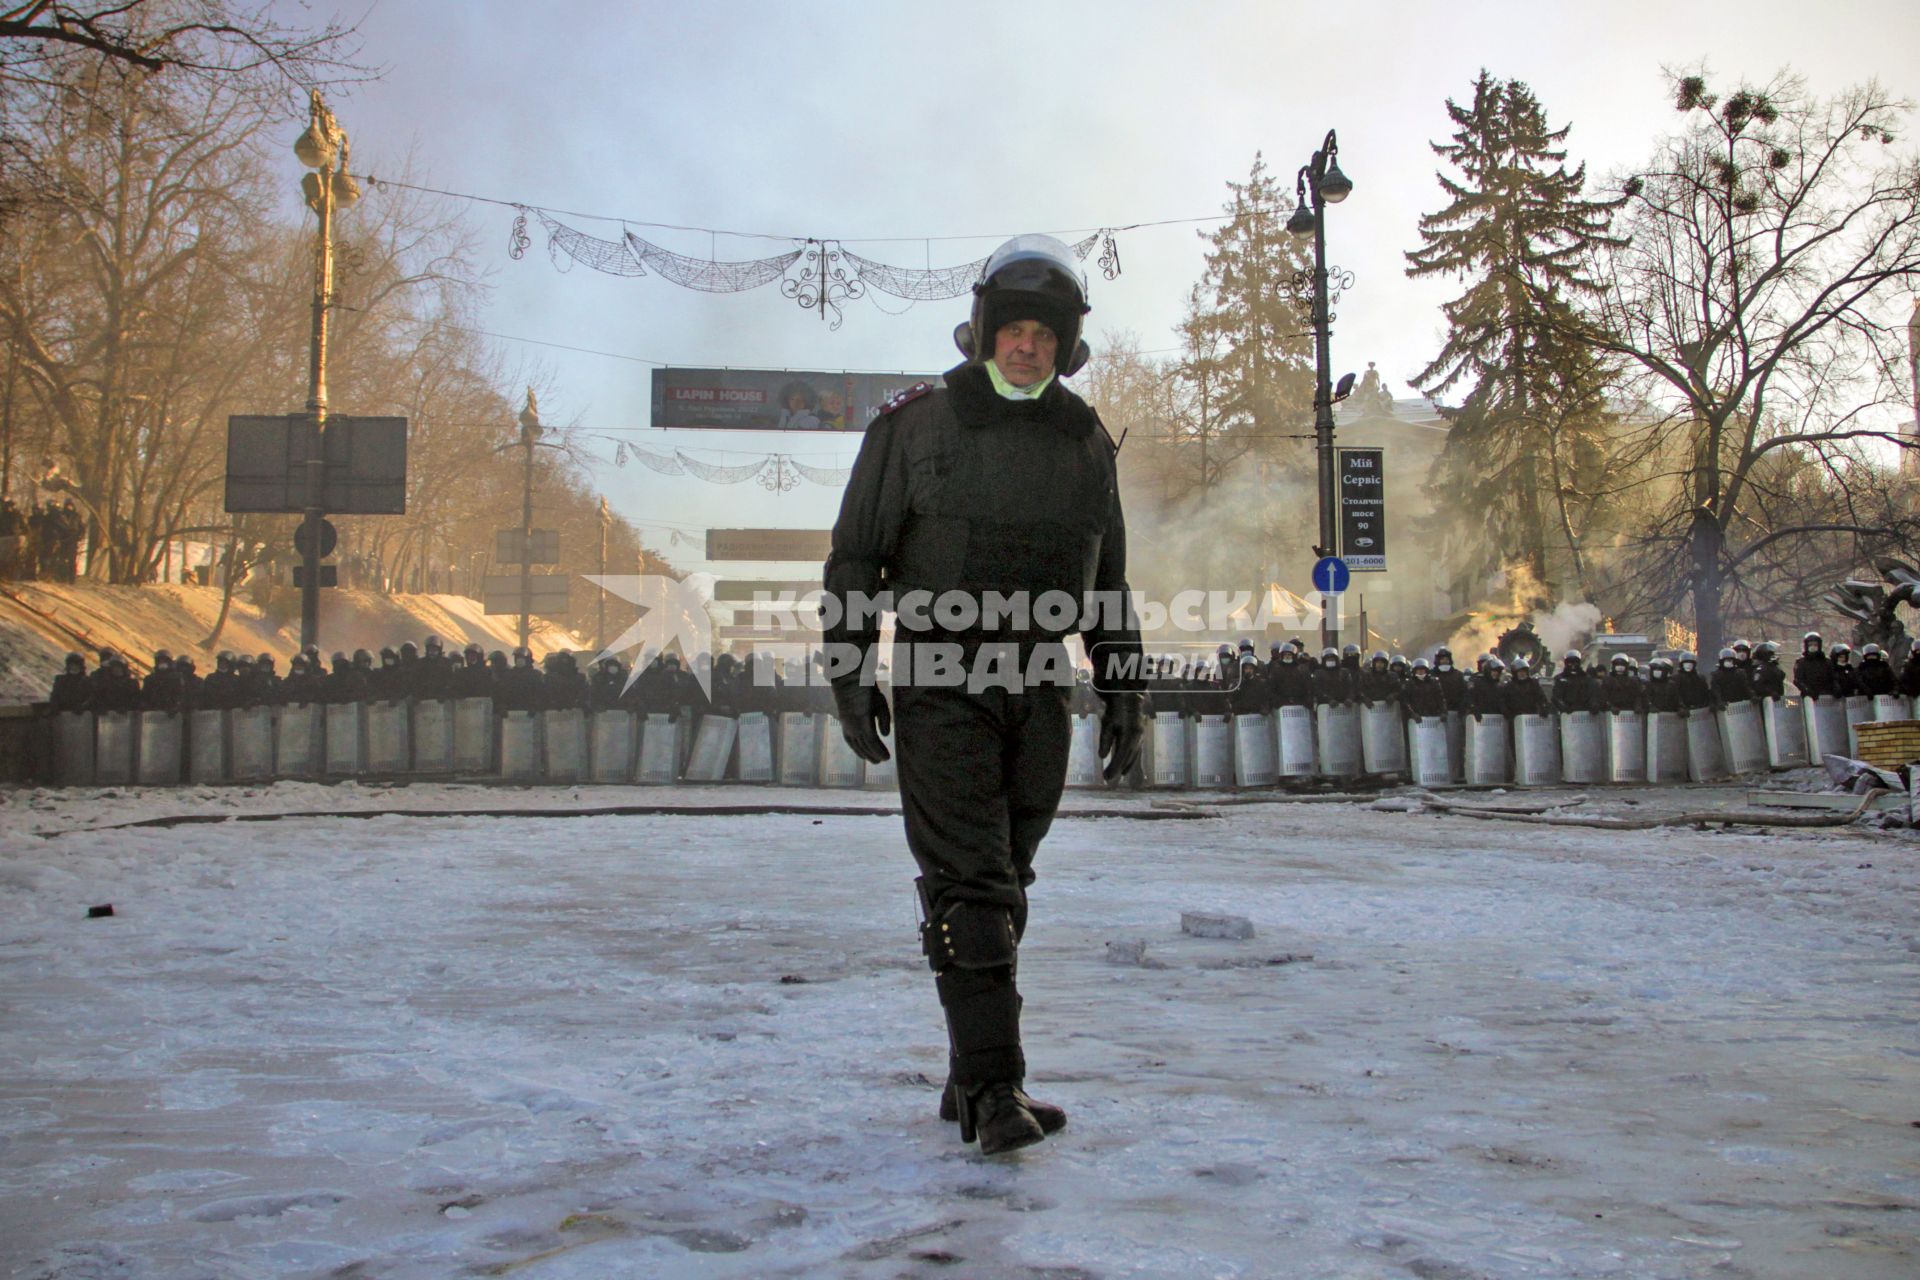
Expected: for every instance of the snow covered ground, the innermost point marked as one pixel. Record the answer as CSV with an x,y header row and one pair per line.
x,y
682,1045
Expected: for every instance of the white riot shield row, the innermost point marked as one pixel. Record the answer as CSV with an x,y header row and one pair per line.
x,y
1337,734
206,746
613,745
433,736
1254,746
520,751
564,744
1383,739
1489,760
158,748
1165,751
299,737
250,744
1583,747
1743,737
1536,751
800,747
1892,706
389,734
1859,711
1210,747
1293,732
839,766
1626,747
73,749
473,737
1429,759
753,747
1083,752
1706,759
1666,747
346,738
1785,723
1826,726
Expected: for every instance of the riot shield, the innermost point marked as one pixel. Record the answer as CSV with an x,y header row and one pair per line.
x,y
1705,763
659,751
1166,745
1293,740
250,744
839,766
612,735
346,737
1337,726
299,740
389,749
1892,706
1536,751
158,750
1427,751
206,745
432,735
520,753
1626,747
1826,723
473,735
113,746
73,749
1210,747
1583,746
1457,744
563,733
884,776
1666,747
1383,739
1743,737
1083,755
712,748
755,747
1786,727
800,747
1488,756
1859,711
1253,760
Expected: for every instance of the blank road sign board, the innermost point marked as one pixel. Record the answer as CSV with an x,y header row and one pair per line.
x,y
364,470
547,593
546,546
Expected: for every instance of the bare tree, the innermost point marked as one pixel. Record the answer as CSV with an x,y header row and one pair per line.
x,y
208,37
1771,241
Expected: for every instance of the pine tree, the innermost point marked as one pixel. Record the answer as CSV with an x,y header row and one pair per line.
x,y
1248,311
1518,231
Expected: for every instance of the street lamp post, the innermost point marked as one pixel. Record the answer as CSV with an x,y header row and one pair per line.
x,y
1319,184
529,436
323,149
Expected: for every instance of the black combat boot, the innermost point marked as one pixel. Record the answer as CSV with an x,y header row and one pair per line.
x,y
1052,1119
1000,1120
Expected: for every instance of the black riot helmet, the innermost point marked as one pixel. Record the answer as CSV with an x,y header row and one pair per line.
x,y
1029,277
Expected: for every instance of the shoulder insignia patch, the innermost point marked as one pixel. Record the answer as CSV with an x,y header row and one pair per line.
x,y
906,397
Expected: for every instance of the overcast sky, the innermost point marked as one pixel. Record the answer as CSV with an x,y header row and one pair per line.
x,y
871,121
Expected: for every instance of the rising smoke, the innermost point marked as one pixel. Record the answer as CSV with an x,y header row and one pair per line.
x,y
1515,595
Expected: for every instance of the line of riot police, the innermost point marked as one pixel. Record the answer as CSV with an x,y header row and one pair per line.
x,y
1237,682
428,672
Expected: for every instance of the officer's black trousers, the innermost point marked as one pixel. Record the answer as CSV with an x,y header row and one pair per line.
x,y
980,777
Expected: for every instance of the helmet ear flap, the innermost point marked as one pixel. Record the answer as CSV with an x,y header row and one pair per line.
x,y
1078,361
963,338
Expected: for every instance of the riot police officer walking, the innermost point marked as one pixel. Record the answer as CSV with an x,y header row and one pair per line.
x,y
1000,486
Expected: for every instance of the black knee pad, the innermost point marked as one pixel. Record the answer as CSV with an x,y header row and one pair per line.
x,y
970,935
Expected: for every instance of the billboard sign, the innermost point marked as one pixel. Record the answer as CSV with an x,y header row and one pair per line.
x,y
769,544
1363,510
774,399
364,471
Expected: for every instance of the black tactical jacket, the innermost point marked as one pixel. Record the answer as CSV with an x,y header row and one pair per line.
x,y
960,489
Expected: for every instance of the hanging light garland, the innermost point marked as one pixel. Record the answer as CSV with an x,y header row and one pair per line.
x,y
819,275
777,472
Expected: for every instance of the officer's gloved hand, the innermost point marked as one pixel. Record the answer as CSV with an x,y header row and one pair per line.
x,y
1121,728
864,719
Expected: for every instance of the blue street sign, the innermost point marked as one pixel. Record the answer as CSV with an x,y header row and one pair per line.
x,y
1331,576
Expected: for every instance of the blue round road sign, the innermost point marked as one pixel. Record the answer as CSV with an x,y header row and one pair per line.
x,y
1331,575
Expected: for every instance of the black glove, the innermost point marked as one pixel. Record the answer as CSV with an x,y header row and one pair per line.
x,y
864,719
1121,727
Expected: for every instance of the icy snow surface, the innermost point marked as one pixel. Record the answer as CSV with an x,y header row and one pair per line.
x,y
612,1047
